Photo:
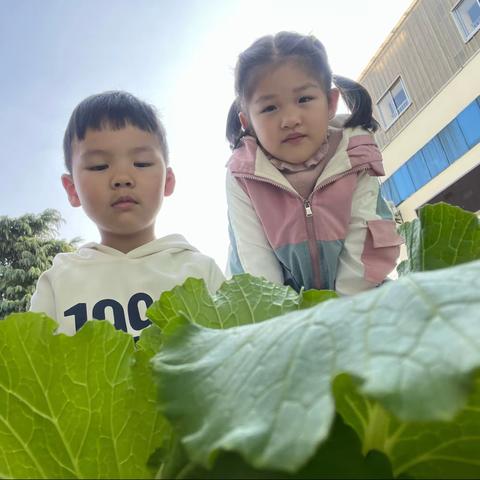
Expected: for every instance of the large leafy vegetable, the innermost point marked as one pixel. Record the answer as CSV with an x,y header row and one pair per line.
x,y
256,384
242,300
74,407
442,236
265,390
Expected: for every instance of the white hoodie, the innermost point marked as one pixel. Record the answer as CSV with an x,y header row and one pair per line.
x,y
100,282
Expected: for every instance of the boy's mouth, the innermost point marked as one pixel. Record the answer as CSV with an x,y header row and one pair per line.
x,y
124,201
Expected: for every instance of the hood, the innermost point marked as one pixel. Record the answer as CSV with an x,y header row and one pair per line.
x,y
169,244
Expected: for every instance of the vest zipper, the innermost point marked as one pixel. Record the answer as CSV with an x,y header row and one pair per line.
x,y
308,208
334,178
307,205
312,245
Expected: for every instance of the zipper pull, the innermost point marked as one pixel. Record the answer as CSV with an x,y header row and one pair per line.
x,y
308,208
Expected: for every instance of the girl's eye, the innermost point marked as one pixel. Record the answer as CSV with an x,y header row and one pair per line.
x,y
97,168
305,99
269,108
143,164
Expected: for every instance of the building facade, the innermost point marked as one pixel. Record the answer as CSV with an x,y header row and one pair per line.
x,y
425,85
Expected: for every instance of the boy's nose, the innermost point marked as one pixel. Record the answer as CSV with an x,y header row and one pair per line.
x,y
122,181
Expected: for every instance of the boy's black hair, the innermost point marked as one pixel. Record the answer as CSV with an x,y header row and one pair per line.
x,y
115,109
310,52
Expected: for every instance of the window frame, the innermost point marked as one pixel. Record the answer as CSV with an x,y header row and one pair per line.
x,y
388,91
436,156
459,22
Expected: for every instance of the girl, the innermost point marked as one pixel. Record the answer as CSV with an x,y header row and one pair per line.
x,y
304,202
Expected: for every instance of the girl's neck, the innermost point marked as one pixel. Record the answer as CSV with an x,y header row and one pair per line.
x,y
326,150
303,180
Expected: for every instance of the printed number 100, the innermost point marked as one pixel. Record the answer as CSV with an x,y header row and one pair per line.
x,y
119,319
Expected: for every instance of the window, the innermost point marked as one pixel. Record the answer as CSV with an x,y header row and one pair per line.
x,y
435,156
393,103
418,170
403,182
453,141
469,122
447,146
467,17
389,191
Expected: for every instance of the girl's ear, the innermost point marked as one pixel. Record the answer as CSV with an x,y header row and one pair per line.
x,y
69,186
333,102
243,120
169,182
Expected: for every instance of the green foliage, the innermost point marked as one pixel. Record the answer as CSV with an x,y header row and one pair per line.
x,y
27,248
420,449
239,301
264,390
442,236
258,381
341,453
74,407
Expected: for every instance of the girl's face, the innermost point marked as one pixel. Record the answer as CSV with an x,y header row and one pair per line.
x,y
289,112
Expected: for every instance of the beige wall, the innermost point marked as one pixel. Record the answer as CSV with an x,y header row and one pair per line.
x,y
426,49
443,108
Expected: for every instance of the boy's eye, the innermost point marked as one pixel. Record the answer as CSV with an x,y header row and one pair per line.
x,y
97,168
269,108
143,164
305,99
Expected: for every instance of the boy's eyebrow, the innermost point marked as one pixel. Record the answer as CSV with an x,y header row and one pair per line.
x,y
96,151
265,98
144,148
106,153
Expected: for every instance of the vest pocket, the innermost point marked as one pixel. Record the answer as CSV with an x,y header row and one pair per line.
x,y
381,249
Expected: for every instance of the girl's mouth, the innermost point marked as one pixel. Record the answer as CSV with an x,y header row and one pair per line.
x,y
294,138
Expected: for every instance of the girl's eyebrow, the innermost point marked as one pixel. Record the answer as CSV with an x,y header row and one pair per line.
x,y
306,86
301,88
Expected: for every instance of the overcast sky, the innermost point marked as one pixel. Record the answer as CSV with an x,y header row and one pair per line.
x,y
175,54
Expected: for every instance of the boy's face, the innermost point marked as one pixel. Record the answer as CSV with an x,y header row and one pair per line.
x,y
119,177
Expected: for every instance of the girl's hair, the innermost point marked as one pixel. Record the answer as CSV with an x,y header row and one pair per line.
x,y
310,52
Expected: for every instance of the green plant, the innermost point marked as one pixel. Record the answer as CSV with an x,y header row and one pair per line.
x,y
257,381
27,248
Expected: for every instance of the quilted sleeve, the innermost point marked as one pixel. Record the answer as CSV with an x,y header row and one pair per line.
x,y
372,245
249,250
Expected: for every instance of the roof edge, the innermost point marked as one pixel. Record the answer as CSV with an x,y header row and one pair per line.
x,y
388,39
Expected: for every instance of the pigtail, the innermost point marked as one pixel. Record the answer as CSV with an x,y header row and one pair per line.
x,y
358,101
234,131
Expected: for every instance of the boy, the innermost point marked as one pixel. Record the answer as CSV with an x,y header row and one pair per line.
x,y
117,160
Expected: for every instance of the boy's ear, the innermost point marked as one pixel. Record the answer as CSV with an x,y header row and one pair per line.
x,y
169,182
333,102
69,186
243,120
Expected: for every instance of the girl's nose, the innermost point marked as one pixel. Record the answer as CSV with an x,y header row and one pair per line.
x,y
290,119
